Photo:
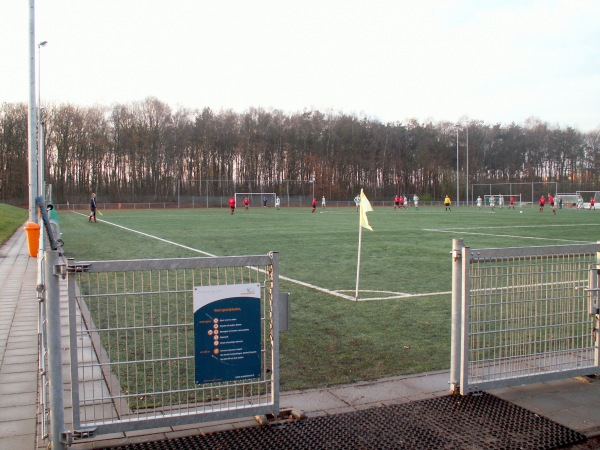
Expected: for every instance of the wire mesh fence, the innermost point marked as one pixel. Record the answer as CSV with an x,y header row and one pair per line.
x,y
526,315
133,347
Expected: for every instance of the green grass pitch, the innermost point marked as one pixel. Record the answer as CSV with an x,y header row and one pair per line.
x,y
405,260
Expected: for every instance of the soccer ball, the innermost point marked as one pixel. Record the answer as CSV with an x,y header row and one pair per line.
x,y
521,212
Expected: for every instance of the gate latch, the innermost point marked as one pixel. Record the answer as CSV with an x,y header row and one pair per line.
x,y
594,308
593,289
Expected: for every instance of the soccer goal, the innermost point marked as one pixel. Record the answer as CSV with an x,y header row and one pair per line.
x,y
569,200
503,201
255,199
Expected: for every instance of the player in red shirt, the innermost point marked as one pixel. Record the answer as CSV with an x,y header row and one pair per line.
x,y
314,204
246,203
232,204
542,203
396,202
592,203
551,201
511,203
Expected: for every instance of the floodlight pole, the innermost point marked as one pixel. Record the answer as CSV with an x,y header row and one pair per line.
x,y
467,189
33,172
457,172
40,136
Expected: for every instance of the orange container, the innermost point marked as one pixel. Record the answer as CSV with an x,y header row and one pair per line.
x,y
33,238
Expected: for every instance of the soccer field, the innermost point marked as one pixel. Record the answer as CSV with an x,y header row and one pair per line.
x,y
405,272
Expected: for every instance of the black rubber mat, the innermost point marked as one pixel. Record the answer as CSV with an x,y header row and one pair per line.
x,y
475,421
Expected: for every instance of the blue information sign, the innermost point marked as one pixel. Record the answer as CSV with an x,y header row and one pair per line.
x,y
227,332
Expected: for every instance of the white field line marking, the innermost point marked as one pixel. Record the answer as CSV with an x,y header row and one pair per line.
x,y
528,226
291,280
502,235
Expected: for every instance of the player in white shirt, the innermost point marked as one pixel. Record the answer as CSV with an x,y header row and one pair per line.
x,y
492,203
500,201
416,201
479,202
323,202
277,202
357,202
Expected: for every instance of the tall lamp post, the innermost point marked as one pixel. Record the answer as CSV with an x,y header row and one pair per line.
x,y
467,174
40,135
457,172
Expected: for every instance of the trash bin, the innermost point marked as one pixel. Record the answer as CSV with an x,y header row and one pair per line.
x,y
33,238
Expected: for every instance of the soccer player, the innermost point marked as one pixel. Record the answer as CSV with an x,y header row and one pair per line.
x,y
592,204
396,202
542,203
232,204
580,202
323,202
551,201
264,202
501,201
416,201
314,204
357,202
479,202
405,202
511,203
493,203
447,203
93,208
246,203
402,201
277,202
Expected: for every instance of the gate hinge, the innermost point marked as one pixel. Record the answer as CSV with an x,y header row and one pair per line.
x,y
85,433
60,270
456,255
66,437
73,268
69,436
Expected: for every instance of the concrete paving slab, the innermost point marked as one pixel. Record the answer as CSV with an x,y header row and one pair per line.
x,y
314,400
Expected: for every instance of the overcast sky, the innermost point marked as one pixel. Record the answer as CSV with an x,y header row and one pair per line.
x,y
392,60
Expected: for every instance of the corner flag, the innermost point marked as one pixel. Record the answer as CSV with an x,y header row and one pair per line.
x,y
365,207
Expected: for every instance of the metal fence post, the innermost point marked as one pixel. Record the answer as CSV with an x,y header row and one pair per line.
x,y
597,318
275,331
57,418
455,337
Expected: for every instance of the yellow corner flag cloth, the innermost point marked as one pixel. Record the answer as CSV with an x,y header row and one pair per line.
x,y
365,207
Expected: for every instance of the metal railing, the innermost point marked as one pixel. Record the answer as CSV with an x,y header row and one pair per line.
x,y
523,315
134,347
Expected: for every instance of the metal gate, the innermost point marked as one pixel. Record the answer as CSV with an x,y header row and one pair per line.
x,y
132,341
522,315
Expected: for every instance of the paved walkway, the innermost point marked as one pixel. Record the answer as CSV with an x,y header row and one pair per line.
x,y
18,345
573,402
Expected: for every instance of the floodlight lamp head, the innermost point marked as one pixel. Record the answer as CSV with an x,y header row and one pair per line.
x,y
43,43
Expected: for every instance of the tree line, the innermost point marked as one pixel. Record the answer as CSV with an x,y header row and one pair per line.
x,y
146,151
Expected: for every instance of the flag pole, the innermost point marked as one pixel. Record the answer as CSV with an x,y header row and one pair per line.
x,y
364,208
358,262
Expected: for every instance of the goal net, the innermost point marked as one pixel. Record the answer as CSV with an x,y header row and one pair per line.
x,y
502,201
568,200
255,199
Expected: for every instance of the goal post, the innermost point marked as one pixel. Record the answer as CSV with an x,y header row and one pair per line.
x,y
255,199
